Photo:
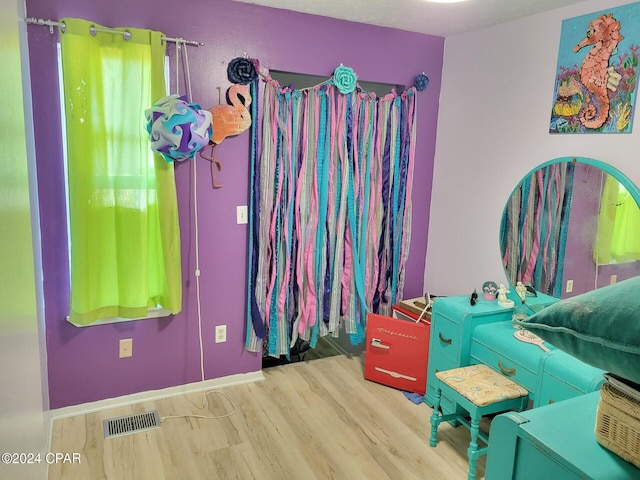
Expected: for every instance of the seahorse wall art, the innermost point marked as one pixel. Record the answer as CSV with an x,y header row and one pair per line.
x,y
596,75
598,93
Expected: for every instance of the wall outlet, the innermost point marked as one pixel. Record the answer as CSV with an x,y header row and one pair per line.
x,y
614,279
126,347
242,215
569,288
221,333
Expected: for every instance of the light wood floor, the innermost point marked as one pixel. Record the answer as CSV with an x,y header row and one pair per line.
x,y
309,420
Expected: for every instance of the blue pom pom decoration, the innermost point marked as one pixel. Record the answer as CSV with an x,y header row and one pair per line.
x,y
421,82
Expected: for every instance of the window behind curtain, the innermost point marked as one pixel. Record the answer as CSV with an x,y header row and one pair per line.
x,y
124,233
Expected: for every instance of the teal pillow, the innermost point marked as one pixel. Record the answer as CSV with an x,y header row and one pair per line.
x,y
601,327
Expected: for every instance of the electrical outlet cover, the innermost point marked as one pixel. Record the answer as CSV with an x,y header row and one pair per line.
x,y
221,333
569,288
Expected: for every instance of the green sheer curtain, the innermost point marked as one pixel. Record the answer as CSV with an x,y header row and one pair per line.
x,y
618,238
125,242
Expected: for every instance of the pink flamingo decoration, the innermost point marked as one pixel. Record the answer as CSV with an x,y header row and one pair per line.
x,y
227,121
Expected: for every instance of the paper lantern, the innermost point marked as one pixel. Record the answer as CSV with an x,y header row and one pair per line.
x,y
178,129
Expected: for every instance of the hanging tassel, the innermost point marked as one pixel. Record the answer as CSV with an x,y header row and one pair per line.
x,y
254,320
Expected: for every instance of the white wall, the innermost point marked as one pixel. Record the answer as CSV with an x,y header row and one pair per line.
x,y
495,107
24,422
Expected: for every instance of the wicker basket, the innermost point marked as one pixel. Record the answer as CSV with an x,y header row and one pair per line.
x,y
618,424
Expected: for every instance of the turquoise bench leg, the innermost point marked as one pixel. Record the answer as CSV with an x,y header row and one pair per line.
x,y
435,419
472,451
475,412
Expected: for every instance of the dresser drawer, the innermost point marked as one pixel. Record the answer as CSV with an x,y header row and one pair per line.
x,y
564,376
554,390
445,338
495,346
509,368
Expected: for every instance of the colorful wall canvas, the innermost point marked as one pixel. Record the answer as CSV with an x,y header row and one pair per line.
x,y
596,79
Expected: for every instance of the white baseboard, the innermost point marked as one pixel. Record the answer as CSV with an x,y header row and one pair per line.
x,y
151,395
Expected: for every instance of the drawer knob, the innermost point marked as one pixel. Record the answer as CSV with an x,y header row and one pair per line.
x,y
444,340
508,371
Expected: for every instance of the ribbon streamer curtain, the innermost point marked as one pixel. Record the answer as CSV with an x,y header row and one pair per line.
x,y
534,230
331,213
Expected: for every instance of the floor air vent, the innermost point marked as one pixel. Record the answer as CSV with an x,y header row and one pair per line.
x,y
117,427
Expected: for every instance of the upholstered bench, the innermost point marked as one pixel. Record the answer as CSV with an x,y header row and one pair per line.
x,y
480,391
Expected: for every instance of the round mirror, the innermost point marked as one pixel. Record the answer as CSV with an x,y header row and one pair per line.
x,y
570,226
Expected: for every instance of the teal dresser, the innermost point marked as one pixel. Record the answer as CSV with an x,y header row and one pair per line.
x,y
462,334
452,322
553,442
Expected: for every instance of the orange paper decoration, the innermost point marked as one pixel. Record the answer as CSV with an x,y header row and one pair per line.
x,y
230,120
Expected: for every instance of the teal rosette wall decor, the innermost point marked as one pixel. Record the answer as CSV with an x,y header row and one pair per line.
x,y
345,79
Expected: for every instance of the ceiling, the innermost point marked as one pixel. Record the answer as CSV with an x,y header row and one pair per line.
x,y
442,19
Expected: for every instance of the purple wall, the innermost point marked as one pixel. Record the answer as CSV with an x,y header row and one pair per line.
x,y
83,364
583,224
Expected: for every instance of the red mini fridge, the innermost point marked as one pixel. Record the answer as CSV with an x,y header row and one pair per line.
x,y
397,352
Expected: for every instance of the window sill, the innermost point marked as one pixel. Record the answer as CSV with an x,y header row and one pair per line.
x,y
151,313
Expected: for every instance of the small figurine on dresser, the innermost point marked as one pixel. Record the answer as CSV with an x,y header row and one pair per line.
x,y
474,297
521,290
503,301
489,290
520,311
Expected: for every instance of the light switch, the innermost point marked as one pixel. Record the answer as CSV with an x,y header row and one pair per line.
x,y
126,348
241,214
